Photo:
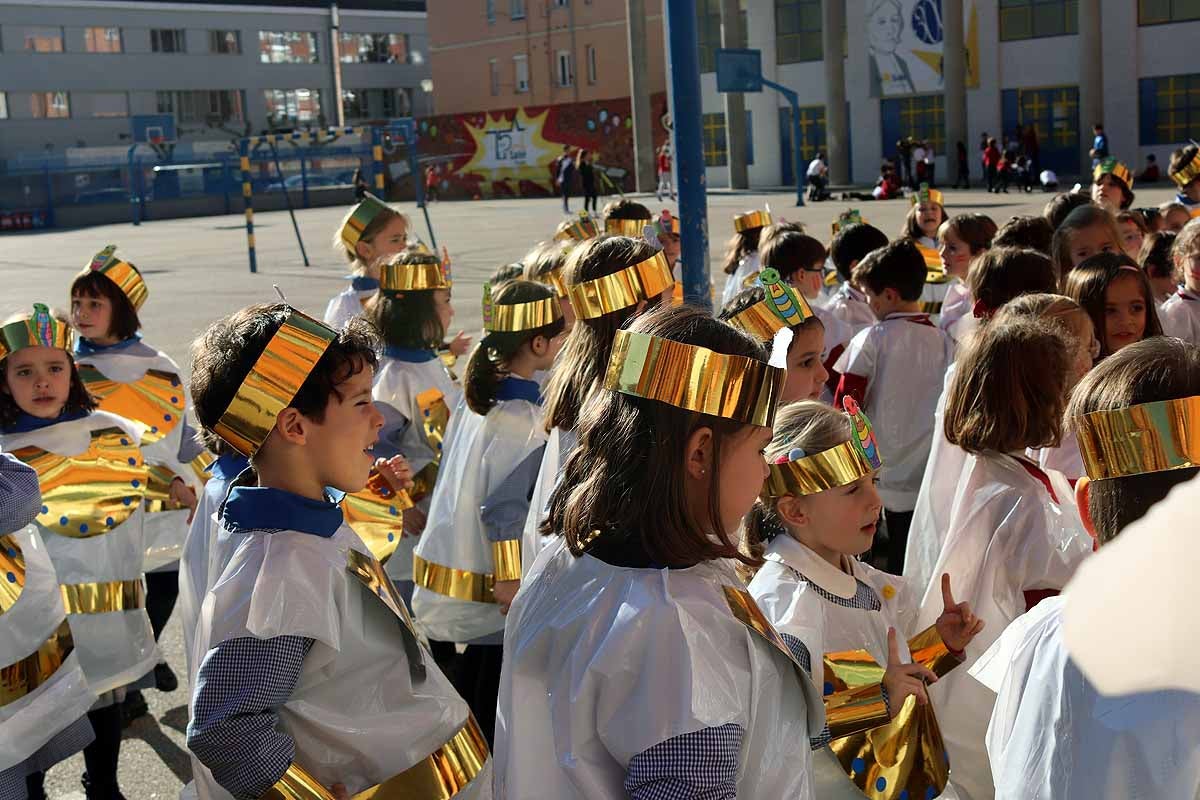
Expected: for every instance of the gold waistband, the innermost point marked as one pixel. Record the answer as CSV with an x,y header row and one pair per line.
x,y
22,677
104,596
475,587
439,776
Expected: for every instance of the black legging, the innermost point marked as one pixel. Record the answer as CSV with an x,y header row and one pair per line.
x,y
162,590
99,758
478,681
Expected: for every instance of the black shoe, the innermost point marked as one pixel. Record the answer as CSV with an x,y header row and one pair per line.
x,y
164,678
134,707
98,793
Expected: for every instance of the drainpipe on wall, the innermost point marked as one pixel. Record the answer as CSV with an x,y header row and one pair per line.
x,y
336,59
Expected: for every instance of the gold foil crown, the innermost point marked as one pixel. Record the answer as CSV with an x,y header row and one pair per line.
x,y
517,317
1151,437
1111,166
626,227
122,273
579,229
362,216
751,220
1188,173
38,329
781,308
850,216
798,473
694,378
273,381
414,270
622,289
926,195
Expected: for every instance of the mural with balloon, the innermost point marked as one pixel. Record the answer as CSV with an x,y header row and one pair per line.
x,y
904,46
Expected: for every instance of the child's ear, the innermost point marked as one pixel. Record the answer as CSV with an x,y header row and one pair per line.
x,y
538,345
363,250
292,426
891,295
792,511
1082,493
698,454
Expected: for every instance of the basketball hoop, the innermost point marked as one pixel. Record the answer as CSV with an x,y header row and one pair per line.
x,y
157,140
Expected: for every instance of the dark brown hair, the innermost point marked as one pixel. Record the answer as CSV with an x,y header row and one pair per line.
x,y
776,229
1136,218
899,265
1157,256
1088,284
1061,206
406,319
1004,273
78,398
580,366
852,244
378,223
626,479
626,209
1144,372
506,272
1083,217
488,364
124,320
1010,387
976,230
741,244
1025,231
543,259
790,252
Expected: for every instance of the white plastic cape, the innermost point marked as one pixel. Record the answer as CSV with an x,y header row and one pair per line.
x,y
345,306
165,530
747,266
1053,735
1066,458
559,447
357,716
1005,536
601,663
28,723
397,387
1180,316
956,306
115,648
850,305
483,453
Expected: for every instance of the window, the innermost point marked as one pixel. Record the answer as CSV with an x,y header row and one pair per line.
x,y
224,42
708,20
167,40
284,47
214,107
521,73
49,105
494,76
360,104
286,107
716,150
43,40
1170,108
798,31
3,105
516,9
561,3
566,74
491,11
374,48
102,40
922,117
591,64
1157,12
101,104
1033,19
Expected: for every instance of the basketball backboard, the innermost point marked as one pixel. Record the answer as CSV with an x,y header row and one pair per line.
x,y
739,70
153,128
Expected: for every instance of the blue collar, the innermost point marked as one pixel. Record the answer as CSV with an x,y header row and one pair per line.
x,y
86,347
410,354
1185,200
519,389
228,466
361,283
257,508
27,422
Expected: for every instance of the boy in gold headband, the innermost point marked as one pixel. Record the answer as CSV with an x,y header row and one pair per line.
x,y
1185,171
1112,185
312,680
371,231
1052,733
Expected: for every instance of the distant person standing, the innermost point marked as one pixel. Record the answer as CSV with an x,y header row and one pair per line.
x,y
1032,149
1099,150
431,183
920,173
587,177
991,163
930,165
566,174
665,184
964,168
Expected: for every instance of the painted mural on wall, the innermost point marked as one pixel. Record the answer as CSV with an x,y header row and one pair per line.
x,y
510,153
904,46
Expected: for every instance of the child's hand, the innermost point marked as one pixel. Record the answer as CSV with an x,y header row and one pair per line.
x,y
396,472
957,625
902,680
414,521
339,792
183,495
460,344
505,591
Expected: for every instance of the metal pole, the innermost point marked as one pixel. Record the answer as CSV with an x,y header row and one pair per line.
x,y
639,96
377,159
248,201
793,101
287,198
836,123
49,196
683,63
335,58
735,102
133,190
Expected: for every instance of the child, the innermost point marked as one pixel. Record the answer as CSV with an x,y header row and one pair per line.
x,y
1185,171
1025,231
894,370
544,264
310,672
93,482
998,278
1159,266
1132,227
922,222
614,278
133,380
664,234
1063,204
1112,186
1180,314
1052,733
371,231
1086,231
1174,216
46,698
946,298
467,564
818,515
626,218
741,255
1116,294
851,244
763,311
1012,536
636,664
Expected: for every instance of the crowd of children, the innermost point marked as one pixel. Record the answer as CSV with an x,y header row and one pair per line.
x,y
810,548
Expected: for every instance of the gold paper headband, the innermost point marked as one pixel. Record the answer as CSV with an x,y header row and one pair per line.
x,y
625,227
1151,437
927,195
780,308
407,272
1111,166
1189,173
273,381
579,230
628,287
38,329
516,317
751,220
555,280
362,216
828,469
694,378
122,273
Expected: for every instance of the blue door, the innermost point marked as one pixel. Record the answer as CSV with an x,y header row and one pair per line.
x,y
812,138
1054,113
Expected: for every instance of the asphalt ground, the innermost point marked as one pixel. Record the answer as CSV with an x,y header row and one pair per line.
x,y
197,271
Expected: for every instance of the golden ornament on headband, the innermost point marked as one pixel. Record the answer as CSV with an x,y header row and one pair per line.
x,y
625,227
413,270
122,273
39,329
622,289
1111,166
1151,437
850,216
1188,173
781,308
751,220
517,317
273,381
694,378
579,229
798,473
926,195
362,216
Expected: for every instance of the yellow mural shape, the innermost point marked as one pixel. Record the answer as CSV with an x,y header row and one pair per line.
x,y
511,147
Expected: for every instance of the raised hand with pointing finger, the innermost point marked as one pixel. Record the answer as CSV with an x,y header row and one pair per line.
x,y
902,679
957,625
